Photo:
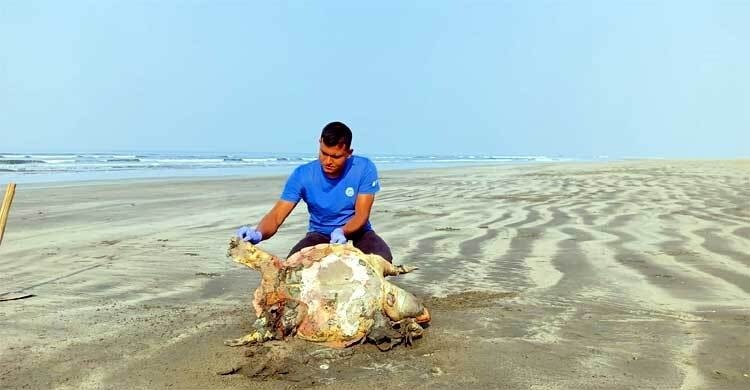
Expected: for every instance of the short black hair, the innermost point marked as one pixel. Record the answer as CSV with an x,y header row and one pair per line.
x,y
336,133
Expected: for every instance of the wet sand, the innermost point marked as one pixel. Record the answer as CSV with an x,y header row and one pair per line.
x,y
554,276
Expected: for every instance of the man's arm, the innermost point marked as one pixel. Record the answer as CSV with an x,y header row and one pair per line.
x,y
362,207
271,221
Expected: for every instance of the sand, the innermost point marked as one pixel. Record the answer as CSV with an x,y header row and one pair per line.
x,y
545,276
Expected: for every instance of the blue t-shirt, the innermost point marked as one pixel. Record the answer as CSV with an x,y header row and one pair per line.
x,y
330,202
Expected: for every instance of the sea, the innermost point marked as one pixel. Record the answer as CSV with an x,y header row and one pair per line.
x,y
75,167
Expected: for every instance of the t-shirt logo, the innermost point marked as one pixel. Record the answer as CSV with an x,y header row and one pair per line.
x,y
375,183
349,191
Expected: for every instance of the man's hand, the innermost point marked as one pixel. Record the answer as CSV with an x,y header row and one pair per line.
x,y
247,233
337,236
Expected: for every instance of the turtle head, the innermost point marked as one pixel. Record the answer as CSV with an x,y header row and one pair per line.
x,y
248,254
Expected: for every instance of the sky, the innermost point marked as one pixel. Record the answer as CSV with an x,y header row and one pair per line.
x,y
555,78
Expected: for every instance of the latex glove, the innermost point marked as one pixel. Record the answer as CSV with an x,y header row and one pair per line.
x,y
247,233
337,236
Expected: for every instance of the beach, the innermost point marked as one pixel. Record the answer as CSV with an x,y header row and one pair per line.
x,y
618,275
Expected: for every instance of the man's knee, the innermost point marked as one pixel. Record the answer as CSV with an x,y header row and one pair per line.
x,y
370,242
383,251
310,239
386,254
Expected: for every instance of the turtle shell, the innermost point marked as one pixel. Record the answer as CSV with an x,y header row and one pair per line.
x,y
341,291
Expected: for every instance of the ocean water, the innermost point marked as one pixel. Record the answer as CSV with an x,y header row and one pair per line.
x,y
69,167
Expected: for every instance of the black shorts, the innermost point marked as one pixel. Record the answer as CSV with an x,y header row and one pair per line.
x,y
368,242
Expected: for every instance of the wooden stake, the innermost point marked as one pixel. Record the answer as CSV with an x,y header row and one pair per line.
x,y
7,200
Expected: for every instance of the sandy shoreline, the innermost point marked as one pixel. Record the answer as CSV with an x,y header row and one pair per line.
x,y
581,275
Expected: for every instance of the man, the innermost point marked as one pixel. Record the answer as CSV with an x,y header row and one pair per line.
x,y
339,190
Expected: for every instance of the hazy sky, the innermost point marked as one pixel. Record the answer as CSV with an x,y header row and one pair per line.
x,y
573,78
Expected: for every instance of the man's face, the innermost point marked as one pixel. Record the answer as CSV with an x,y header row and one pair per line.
x,y
333,158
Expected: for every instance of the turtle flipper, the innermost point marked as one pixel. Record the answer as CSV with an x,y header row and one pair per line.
x,y
382,333
410,329
387,268
259,335
254,337
386,334
395,270
405,269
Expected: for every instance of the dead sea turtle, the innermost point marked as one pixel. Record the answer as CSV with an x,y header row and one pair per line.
x,y
329,293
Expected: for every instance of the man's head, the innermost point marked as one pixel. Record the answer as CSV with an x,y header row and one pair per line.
x,y
335,148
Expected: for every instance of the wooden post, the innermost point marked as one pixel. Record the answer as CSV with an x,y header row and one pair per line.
x,y
7,200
